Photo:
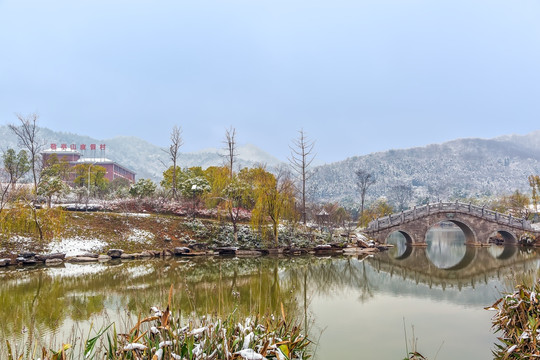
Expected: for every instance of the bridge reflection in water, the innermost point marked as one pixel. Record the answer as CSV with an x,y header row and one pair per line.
x,y
447,261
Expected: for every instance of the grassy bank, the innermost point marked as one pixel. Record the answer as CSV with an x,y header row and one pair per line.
x,y
134,232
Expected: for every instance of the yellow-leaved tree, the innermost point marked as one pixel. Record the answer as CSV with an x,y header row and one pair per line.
x,y
273,201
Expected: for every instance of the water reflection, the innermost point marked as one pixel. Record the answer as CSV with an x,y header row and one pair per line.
x,y
400,247
445,245
319,291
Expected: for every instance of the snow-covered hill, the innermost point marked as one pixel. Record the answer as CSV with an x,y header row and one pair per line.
x,y
459,168
146,159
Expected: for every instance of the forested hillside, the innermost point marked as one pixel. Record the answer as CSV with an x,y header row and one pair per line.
x,y
456,169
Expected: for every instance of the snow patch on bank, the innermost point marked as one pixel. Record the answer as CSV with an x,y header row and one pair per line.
x,y
135,214
75,246
140,236
21,240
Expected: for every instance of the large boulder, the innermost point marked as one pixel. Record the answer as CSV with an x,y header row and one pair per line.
x,y
5,262
198,246
27,254
57,256
327,249
131,256
115,253
27,261
181,250
230,250
88,254
166,253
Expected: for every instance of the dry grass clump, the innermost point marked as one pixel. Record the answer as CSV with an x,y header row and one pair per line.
x,y
162,336
517,318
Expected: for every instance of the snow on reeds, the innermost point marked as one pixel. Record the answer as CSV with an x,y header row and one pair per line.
x,y
518,319
161,336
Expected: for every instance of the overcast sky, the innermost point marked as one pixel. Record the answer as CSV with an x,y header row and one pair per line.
x,y
358,76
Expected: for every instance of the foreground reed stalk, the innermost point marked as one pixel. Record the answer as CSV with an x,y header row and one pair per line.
x,y
518,319
163,336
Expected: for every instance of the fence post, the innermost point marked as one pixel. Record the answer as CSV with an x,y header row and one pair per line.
x,y
469,206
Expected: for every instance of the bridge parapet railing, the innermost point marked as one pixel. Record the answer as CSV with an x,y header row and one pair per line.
x,y
425,210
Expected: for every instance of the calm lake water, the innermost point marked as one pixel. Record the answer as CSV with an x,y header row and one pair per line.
x,y
354,307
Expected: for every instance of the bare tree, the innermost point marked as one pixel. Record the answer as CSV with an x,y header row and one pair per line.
x,y
402,194
233,192
27,134
230,149
364,180
300,159
173,152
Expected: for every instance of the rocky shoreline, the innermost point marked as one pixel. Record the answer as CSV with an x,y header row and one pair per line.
x,y
196,250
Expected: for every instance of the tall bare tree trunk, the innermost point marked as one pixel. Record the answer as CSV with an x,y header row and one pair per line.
x,y
27,134
230,148
233,202
173,152
364,180
301,158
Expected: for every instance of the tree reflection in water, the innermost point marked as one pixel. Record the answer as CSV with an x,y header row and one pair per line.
x,y
47,301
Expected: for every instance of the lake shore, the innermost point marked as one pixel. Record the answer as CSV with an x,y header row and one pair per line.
x,y
103,236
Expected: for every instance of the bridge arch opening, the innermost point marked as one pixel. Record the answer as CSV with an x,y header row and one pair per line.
x,y
470,237
402,244
446,245
503,237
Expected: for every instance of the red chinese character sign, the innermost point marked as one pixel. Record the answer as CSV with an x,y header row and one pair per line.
x,y
63,146
83,147
73,147
102,147
53,146
92,146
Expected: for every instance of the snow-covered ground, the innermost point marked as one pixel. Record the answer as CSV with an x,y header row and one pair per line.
x,y
135,214
75,246
140,236
23,241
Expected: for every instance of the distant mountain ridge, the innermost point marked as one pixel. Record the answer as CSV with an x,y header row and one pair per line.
x,y
146,159
454,169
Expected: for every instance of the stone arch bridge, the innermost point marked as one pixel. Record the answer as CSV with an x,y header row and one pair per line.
x,y
477,223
